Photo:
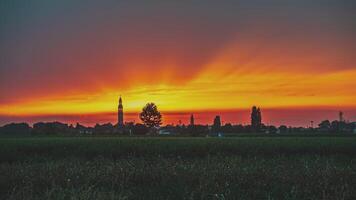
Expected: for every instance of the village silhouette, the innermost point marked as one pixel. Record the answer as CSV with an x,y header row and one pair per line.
x,y
151,125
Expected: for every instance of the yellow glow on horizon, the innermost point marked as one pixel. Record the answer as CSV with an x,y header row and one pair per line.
x,y
236,78
213,89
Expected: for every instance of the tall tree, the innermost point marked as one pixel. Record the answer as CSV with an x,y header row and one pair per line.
x,y
259,117
150,115
256,118
217,124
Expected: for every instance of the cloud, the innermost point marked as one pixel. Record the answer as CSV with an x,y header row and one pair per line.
x,y
52,50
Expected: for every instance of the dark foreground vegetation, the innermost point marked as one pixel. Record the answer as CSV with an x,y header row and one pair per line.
x,y
178,168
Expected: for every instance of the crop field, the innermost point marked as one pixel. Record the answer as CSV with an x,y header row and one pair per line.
x,y
178,168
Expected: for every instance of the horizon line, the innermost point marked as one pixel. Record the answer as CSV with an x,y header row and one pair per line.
x,y
192,111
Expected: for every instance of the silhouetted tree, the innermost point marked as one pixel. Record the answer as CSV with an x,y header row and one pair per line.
x,y
81,129
334,126
259,117
150,115
324,126
256,118
201,130
15,129
272,129
191,127
338,126
239,129
227,128
217,124
50,128
140,129
107,128
283,129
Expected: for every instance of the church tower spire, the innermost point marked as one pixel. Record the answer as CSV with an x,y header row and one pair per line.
x,y
120,114
191,120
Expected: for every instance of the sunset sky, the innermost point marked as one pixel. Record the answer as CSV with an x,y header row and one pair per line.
x,y
69,60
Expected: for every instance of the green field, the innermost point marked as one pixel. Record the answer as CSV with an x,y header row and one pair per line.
x,y
178,168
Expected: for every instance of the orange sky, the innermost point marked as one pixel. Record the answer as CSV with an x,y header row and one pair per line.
x,y
216,57
212,89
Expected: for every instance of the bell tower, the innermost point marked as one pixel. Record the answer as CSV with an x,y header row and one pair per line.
x,y
120,114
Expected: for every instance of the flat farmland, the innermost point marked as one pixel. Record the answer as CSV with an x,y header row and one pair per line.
x,y
178,168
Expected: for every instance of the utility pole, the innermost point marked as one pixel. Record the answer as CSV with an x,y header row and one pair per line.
x,y
341,117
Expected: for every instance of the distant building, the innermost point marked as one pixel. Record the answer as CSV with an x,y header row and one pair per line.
x,y
120,114
192,120
354,127
166,131
341,116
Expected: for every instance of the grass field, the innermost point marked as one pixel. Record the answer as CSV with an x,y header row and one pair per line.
x,y
178,168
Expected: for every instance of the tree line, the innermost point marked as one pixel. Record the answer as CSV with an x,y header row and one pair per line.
x,y
152,119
